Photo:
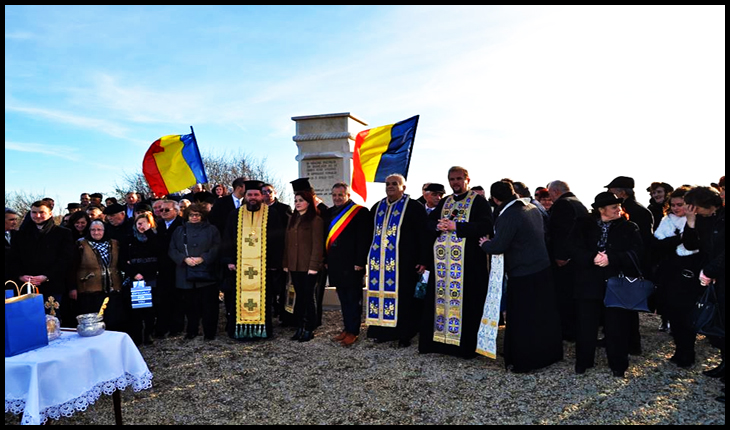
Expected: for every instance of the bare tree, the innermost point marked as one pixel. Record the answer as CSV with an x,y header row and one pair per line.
x,y
20,201
220,169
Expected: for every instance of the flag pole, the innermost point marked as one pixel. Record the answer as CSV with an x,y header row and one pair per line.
x,y
197,150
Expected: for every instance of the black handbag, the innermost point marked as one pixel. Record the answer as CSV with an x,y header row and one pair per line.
x,y
629,293
199,273
706,316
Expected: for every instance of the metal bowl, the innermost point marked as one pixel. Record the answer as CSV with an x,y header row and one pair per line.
x,y
90,325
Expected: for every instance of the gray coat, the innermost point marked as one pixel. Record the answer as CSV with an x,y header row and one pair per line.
x,y
203,241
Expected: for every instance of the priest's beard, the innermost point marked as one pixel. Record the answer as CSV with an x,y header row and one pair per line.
x,y
253,206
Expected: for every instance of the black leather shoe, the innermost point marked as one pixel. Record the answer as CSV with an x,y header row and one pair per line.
x,y
404,343
297,334
306,336
717,372
580,370
619,373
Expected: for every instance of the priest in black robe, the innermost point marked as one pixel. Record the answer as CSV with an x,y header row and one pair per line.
x,y
398,255
533,337
457,285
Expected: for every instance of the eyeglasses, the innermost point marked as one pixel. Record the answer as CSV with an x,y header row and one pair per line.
x,y
266,192
166,210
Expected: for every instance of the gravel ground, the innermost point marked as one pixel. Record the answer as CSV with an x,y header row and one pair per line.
x,y
279,381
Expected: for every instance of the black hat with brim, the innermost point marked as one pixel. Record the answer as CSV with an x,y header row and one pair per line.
x,y
113,208
436,188
621,182
606,199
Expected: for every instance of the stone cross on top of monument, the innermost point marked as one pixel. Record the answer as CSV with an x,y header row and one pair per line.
x,y
325,146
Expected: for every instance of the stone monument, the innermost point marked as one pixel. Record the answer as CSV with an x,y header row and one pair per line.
x,y
325,145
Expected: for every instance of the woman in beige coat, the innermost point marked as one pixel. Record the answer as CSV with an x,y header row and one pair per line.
x,y
303,255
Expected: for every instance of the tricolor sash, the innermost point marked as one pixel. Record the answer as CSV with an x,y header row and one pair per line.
x,y
341,221
251,273
489,326
448,251
382,277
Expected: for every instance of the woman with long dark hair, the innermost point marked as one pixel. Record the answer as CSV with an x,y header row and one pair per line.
x,y
677,273
141,264
303,256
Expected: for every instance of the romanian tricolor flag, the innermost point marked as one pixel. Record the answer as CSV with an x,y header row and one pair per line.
x,y
173,163
382,151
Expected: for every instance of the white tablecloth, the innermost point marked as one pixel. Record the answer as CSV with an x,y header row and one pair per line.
x,y
70,374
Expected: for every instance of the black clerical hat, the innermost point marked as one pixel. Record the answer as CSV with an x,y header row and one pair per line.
x,y
253,185
301,184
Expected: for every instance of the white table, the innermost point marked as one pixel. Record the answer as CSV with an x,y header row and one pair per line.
x,y
71,373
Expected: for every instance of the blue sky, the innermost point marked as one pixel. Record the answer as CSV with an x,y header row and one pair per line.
x,y
577,93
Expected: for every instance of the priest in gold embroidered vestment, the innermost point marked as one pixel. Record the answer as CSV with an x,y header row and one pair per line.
x,y
253,244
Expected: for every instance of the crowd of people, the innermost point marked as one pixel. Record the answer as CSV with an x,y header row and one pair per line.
x,y
537,264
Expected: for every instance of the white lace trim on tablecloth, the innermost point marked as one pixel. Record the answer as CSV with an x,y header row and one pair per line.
x,y
82,402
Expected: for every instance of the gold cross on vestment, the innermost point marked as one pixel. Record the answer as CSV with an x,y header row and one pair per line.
x,y
251,272
251,240
250,305
52,304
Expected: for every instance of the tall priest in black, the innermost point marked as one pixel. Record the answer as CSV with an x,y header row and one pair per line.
x,y
349,234
457,285
253,246
398,255
302,184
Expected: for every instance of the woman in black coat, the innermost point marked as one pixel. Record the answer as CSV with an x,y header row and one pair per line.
x,y
197,243
601,244
141,264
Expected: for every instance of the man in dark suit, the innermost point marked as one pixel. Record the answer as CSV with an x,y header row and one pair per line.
x,y
565,210
169,313
42,253
12,220
284,212
223,206
349,235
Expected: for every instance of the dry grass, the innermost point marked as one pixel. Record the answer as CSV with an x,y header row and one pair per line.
x,y
279,381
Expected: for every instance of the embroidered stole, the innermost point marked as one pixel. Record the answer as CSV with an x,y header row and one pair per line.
x,y
251,273
341,221
489,326
449,262
382,277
